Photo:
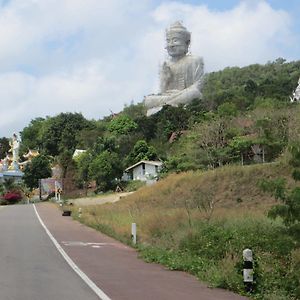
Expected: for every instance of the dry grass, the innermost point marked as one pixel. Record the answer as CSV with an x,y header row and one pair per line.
x,y
174,203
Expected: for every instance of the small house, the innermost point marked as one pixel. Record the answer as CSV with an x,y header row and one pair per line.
x,y
144,170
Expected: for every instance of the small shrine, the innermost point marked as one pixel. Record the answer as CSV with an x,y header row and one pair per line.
x,y
10,166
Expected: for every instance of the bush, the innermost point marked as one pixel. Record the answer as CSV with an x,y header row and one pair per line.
x,y
134,185
11,197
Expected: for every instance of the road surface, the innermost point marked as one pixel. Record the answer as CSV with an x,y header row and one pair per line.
x,y
33,268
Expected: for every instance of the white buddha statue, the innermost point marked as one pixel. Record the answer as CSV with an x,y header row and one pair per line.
x,y
180,77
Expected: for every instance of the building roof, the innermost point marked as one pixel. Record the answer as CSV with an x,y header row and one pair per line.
x,y
149,162
31,153
77,152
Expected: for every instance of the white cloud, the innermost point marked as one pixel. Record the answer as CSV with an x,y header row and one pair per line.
x,y
91,56
252,32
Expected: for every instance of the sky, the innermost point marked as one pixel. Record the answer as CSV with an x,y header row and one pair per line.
x,y
95,56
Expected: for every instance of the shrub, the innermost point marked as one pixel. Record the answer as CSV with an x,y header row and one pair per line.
x,y
134,185
12,197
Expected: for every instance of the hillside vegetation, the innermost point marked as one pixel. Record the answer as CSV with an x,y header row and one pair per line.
x,y
245,116
201,221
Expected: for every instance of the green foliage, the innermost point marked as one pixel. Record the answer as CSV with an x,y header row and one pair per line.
x,y
121,124
180,163
104,144
83,162
59,132
289,209
170,119
4,147
126,142
276,187
227,110
37,169
31,135
11,192
9,184
88,135
104,168
135,111
239,145
213,252
133,185
65,161
242,86
141,151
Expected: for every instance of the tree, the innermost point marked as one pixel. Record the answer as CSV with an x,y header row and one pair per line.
x,y
134,111
59,132
170,119
82,176
65,161
4,147
121,125
104,168
141,151
227,109
239,146
88,136
104,144
38,168
31,135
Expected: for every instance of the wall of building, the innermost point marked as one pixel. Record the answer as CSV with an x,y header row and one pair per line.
x,y
143,173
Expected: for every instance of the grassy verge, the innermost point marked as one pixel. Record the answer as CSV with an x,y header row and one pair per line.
x,y
201,222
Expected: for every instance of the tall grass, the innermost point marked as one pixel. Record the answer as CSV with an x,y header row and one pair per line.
x,y
201,221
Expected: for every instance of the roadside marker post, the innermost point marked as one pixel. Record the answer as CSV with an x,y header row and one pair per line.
x,y
79,212
133,233
248,269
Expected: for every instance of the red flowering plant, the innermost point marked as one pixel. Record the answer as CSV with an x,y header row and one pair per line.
x,y
11,197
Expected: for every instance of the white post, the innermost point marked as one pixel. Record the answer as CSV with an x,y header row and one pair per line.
x,y
133,233
79,212
248,269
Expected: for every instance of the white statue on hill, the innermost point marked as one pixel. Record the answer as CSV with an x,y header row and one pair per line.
x,y
14,148
180,77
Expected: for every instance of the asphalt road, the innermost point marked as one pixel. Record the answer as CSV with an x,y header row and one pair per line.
x,y
31,268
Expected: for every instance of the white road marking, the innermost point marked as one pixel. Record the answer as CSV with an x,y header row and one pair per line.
x,y
84,244
83,276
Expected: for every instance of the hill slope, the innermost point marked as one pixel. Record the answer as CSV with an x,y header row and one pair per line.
x,y
201,221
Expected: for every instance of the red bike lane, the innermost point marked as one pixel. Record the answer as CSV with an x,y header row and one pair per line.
x,y
116,269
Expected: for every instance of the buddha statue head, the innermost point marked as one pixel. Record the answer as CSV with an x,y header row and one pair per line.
x,y
178,40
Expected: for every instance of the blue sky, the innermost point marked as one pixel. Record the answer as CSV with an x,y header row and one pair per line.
x,y
93,56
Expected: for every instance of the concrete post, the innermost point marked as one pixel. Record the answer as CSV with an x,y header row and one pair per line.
x,y
248,269
133,233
